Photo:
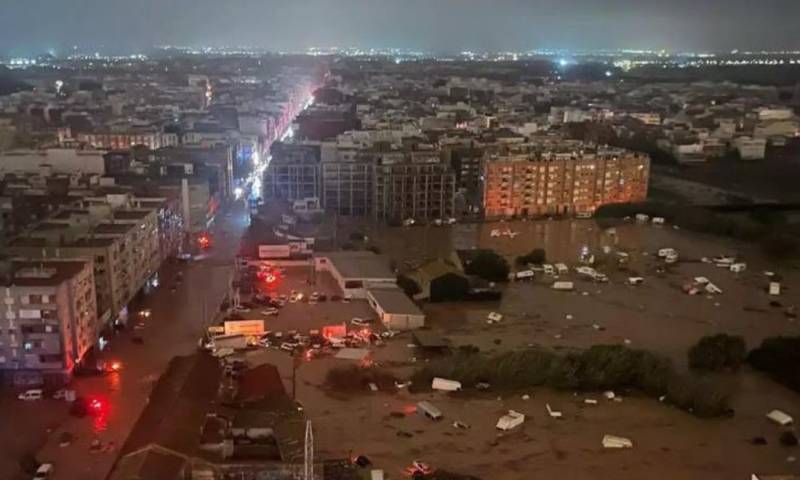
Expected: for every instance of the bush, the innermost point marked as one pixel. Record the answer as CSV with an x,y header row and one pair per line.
x,y
489,266
698,396
408,285
779,358
601,367
449,287
779,246
352,378
537,256
718,352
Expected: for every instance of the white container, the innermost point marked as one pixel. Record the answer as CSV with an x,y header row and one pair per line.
x,y
445,385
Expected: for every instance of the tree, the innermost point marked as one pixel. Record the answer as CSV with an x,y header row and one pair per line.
x,y
780,246
537,256
718,352
449,287
778,357
489,266
408,285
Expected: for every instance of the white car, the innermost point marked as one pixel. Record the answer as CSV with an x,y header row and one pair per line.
x,y
359,321
62,394
31,395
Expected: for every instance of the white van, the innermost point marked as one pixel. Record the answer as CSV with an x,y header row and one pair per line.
x,y
426,408
30,395
44,471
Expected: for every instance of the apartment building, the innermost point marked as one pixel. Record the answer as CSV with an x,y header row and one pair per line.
x,y
422,191
125,140
550,183
49,321
293,173
118,234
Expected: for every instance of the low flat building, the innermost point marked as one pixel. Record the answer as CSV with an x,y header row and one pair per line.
x,y
357,272
395,310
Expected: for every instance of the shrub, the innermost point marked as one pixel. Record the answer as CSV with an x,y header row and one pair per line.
x,y
408,285
779,358
449,287
352,378
536,256
779,246
718,352
609,366
701,397
600,367
489,266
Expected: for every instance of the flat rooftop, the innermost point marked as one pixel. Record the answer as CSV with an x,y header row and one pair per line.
x,y
44,273
395,301
88,242
360,264
130,214
105,228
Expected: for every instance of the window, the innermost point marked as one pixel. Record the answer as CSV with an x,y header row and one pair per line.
x,y
33,298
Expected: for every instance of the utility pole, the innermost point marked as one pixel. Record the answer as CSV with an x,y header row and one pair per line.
x,y
297,359
308,470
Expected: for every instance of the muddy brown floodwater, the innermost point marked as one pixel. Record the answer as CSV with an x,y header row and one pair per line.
x,y
656,316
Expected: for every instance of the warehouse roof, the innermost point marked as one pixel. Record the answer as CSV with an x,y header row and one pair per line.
x,y
360,264
394,301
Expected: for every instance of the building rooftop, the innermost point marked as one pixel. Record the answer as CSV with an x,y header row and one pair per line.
x,y
44,273
130,214
394,301
115,228
28,242
183,395
360,264
90,242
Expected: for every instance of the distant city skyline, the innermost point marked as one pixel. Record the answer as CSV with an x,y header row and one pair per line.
x,y
36,26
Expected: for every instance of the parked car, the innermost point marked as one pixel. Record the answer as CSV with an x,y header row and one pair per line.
x,y
31,395
359,321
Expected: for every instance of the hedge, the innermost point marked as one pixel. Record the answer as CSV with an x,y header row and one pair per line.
x,y
601,367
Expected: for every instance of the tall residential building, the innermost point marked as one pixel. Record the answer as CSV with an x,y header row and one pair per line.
x,y
118,234
49,320
422,191
549,183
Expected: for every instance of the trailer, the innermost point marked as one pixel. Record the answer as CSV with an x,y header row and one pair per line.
x,y
781,418
426,408
233,342
445,385
613,441
561,268
738,267
524,275
510,420
563,286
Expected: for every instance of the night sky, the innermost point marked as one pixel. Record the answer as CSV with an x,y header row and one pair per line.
x,y
33,26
